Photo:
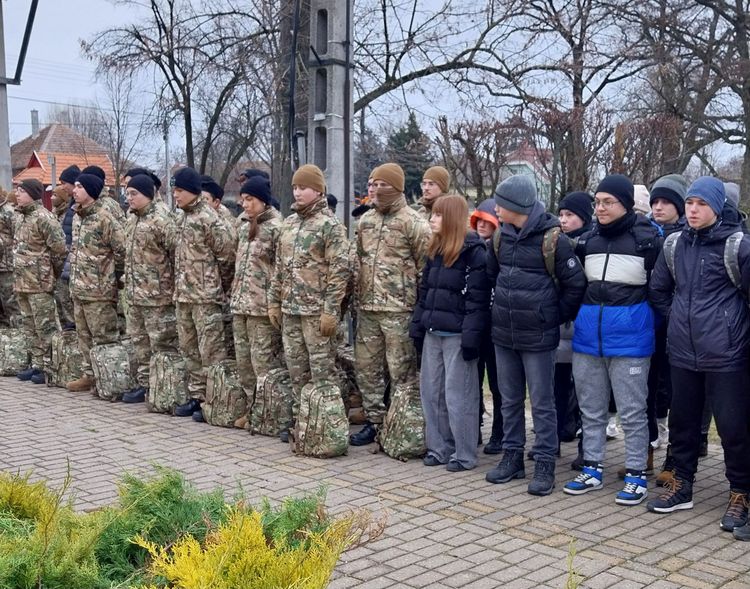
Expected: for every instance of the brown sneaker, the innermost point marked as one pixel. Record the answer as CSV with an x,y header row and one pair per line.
x,y
82,384
241,422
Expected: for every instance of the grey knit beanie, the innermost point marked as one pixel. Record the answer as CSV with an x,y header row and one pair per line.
x,y
732,191
517,193
672,188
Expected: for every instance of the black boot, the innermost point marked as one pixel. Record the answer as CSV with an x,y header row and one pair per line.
x,y
510,467
188,408
26,374
544,478
364,436
137,395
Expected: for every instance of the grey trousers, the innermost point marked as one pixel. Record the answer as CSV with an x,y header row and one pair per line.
x,y
450,401
628,378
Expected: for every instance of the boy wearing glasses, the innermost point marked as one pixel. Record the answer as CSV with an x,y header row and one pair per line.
x,y
614,336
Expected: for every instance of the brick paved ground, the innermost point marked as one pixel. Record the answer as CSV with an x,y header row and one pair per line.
x,y
444,529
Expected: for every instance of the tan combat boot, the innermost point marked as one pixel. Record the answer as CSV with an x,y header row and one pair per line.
x,y
82,384
241,422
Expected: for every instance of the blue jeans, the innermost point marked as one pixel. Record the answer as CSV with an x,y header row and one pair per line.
x,y
515,370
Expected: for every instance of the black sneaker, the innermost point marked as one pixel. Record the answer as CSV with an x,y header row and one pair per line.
x,y
364,436
494,446
510,467
544,478
137,395
736,513
431,460
26,374
455,466
187,409
38,377
198,416
284,436
742,533
678,495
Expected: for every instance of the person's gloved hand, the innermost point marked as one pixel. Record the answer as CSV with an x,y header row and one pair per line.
x,y
328,325
274,316
469,354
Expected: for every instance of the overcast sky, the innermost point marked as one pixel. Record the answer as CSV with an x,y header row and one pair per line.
x,y
54,70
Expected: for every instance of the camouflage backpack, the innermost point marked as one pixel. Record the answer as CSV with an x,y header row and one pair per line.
x,y
114,367
402,434
167,383
66,359
225,400
271,410
322,429
14,351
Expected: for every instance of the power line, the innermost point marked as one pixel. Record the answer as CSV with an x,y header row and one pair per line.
x,y
70,105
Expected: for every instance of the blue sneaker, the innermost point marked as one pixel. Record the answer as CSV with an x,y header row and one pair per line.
x,y
590,479
635,489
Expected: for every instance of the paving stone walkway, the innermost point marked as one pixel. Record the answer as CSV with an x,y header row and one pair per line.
x,y
444,529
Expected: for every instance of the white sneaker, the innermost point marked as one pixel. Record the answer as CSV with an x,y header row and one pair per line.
x,y
612,430
663,438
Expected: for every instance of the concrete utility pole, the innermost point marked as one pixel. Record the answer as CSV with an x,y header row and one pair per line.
x,y
330,104
6,173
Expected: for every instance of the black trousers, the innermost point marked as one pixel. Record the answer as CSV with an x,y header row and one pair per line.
x,y
487,364
659,384
566,403
729,397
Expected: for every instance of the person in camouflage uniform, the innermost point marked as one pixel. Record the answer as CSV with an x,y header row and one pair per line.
x,y
11,315
109,203
435,183
96,260
62,208
392,241
38,257
204,268
257,343
309,282
149,280
157,200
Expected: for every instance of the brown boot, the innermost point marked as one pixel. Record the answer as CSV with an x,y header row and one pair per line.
x,y
649,464
241,422
667,473
82,384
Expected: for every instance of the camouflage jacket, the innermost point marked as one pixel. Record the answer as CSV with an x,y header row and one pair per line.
x,y
204,256
38,251
8,222
253,268
312,266
112,206
391,250
97,254
149,257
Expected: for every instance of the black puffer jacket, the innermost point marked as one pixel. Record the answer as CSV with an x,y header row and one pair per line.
x,y
709,320
528,309
455,299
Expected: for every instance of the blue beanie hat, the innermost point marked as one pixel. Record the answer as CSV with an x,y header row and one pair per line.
x,y
92,184
187,179
143,183
259,187
710,190
211,186
621,187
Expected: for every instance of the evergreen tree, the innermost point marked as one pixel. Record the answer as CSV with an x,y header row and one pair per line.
x,y
409,147
369,152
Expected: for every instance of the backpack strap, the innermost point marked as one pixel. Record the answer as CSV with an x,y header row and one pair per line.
x,y
496,244
549,249
731,258
669,246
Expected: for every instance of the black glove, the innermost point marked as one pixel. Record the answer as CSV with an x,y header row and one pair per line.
x,y
469,354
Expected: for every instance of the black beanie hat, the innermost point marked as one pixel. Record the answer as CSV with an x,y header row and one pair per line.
x,y
187,179
259,187
619,186
579,203
137,171
250,172
96,171
210,185
70,174
33,188
143,184
92,183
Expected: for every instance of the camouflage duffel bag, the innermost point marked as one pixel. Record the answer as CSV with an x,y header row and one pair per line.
x,y
402,434
114,367
322,429
225,400
271,410
14,351
167,382
66,359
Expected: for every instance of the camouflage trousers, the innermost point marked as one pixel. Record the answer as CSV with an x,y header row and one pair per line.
x,y
11,312
200,328
383,338
151,329
96,324
39,322
64,302
310,356
257,348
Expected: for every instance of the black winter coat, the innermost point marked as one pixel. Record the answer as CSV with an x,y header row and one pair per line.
x,y
455,299
528,310
709,320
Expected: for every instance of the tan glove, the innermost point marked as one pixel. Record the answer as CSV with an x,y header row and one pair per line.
x,y
274,316
328,325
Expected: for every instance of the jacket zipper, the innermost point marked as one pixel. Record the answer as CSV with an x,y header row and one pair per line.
x,y
375,257
294,249
510,293
690,309
132,245
601,303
